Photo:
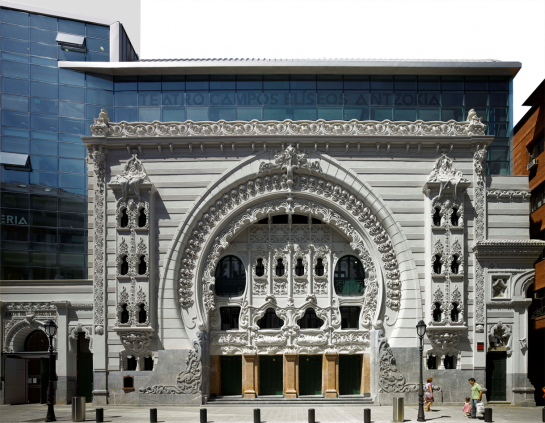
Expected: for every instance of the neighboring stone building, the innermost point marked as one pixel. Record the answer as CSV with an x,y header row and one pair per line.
x,y
529,145
295,258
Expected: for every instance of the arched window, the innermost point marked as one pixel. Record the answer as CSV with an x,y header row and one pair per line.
x,y
124,266
37,341
259,267
437,265
437,217
437,317
230,277
142,218
142,314
449,362
319,268
299,268
148,363
124,318
455,266
310,320
131,363
454,313
432,362
142,266
454,218
124,221
349,276
280,268
270,320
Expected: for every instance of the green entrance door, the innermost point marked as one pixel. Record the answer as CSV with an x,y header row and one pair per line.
x,y
85,376
310,375
495,375
350,374
231,375
270,375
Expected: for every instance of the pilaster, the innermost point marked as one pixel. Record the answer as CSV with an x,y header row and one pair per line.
x,y
366,374
291,365
65,386
250,376
331,364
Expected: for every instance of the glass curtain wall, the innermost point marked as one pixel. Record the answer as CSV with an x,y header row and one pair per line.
x,y
44,112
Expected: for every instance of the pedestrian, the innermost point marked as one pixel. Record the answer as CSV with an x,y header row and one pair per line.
x,y
476,395
467,407
428,396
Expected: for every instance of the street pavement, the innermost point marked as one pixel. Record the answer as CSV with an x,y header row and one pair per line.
x,y
269,414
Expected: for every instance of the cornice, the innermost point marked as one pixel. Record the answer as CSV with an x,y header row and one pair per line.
x,y
103,128
519,248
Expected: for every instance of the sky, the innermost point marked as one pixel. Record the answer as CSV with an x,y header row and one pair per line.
x,y
506,30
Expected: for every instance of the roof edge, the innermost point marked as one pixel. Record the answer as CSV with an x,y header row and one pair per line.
x,y
326,67
55,13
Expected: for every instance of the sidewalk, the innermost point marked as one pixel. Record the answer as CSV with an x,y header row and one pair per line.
x,y
275,414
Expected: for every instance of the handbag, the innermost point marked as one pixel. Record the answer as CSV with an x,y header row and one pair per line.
x,y
480,407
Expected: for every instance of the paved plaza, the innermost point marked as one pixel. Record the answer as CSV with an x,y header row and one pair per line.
x,y
269,414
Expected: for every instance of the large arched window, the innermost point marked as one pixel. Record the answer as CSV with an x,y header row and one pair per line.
x,y
270,320
230,277
349,276
310,320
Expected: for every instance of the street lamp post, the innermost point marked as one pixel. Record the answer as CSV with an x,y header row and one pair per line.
x,y
421,331
50,331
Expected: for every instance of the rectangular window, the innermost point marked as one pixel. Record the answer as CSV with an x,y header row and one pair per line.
x,y
15,102
16,69
229,317
14,31
15,86
350,317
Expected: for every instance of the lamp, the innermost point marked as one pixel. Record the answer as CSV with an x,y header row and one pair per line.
x,y
50,330
421,328
421,331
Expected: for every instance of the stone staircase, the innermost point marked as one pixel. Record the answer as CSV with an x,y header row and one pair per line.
x,y
271,400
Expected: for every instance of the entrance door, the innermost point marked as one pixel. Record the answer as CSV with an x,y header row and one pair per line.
x,y
34,381
270,375
44,375
231,375
495,376
310,375
15,386
350,374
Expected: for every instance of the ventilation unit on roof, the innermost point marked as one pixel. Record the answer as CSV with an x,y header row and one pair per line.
x,y
71,42
533,162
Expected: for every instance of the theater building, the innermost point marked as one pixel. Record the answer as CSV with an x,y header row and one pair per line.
x,y
257,229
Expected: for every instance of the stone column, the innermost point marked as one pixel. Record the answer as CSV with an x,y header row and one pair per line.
x,y
215,375
249,375
290,375
66,381
331,372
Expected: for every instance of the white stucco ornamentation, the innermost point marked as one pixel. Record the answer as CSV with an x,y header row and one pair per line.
x,y
130,179
473,126
446,175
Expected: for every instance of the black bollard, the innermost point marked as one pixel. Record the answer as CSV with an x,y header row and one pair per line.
x,y
100,415
257,415
366,415
153,415
204,418
487,414
311,416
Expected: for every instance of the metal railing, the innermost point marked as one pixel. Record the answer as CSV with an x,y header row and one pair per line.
x,y
349,287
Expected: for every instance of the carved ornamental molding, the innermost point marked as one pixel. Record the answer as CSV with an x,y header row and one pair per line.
x,y
102,127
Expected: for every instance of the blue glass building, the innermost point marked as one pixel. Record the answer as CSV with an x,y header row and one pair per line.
x,y
50,92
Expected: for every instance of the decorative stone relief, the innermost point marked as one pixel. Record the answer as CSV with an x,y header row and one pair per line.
x,y
438,250
446,175
214,216
98,158
438,299
456,255
511,195
444,340
499,338
103,128
391,380
130,179
73,334
189,381
479,163
19,316
446,208
499,288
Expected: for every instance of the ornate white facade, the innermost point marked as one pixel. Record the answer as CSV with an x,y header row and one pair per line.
x,y
438,240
